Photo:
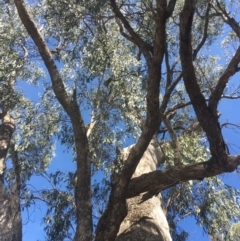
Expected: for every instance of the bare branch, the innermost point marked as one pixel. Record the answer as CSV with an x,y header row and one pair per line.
x,y
178,106
169,70
230,125
168,92
17,169
194,128
232,67
25,51
231,97
92,124
208,16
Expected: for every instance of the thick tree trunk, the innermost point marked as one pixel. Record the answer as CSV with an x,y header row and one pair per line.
x,y
145,220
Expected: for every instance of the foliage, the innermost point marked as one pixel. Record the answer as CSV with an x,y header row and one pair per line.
x,y
106,72
234,232
32,140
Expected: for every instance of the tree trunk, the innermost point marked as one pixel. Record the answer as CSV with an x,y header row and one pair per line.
x,y
145,220
10,213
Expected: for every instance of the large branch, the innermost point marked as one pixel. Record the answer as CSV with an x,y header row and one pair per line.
x,y
7,126
156,181
46,55
83,186
116,209
206,117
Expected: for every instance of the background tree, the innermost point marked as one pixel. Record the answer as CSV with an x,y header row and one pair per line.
x,y
132,71
24,150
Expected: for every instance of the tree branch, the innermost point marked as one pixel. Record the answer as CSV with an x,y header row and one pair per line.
x,y
232,67
178,106
117,209
134,37
170,8
168,92
206,117
175,142
161,180
205,34
227,19
83,186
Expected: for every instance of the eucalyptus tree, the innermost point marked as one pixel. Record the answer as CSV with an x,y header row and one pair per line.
x,y
23,150
140,70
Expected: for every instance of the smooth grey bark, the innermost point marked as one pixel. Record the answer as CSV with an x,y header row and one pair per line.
x,y
145,220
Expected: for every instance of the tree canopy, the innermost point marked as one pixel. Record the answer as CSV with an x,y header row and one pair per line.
x,y
119,82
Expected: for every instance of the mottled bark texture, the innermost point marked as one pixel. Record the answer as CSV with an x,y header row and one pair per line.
x,y
10,214
145,220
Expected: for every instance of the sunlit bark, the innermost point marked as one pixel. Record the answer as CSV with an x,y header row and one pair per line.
x,y
145,220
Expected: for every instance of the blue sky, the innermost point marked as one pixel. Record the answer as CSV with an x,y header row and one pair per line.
x,y
33,230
